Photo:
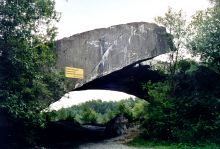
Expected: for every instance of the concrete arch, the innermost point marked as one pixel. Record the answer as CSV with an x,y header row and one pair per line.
x,y
111,57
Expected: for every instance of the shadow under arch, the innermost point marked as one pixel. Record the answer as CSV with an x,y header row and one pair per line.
x,y
129,79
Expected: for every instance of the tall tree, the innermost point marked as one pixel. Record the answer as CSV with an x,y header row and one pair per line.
x,y
175,24
205,35
28,79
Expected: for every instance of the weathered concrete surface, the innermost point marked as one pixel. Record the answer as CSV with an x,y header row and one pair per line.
x,y
103,51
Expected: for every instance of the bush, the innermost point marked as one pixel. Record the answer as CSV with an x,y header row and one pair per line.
x,y
88,116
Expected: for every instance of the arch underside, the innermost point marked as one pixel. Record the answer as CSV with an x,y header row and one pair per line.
x,y
130,80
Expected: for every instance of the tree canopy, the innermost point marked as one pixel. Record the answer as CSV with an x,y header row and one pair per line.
x,y
205,35
185,107
28,78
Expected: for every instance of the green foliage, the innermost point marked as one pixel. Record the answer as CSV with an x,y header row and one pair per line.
x,y
99,106
28,80
97,111
123,108
188,110
205,35
175,24
160,113
88,115
185,107
140,142
140,109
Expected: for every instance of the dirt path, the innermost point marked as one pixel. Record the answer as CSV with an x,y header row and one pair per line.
x,y
114,143
106,145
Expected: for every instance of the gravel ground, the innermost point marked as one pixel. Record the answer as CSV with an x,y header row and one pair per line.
x,y
114,143
106,145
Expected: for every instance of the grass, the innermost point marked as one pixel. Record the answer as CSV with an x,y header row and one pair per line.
x,y
139,142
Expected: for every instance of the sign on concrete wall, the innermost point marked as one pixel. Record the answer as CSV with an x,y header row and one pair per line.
x,y
71,72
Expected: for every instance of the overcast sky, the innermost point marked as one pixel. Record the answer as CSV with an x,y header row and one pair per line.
x,y
77,97
83,15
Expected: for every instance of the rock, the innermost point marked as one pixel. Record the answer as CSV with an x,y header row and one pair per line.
x,y
103,51
116,126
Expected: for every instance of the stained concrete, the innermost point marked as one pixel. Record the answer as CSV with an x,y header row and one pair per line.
x,y
104,51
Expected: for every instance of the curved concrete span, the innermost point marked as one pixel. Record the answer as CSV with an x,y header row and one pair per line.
x,y
111,57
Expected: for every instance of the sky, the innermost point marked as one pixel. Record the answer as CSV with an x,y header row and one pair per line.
x,y
77,97
82,15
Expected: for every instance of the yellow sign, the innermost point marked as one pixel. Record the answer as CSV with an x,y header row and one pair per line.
x,y
71,72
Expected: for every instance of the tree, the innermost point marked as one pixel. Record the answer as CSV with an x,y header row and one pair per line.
x,y
205,35
185,107
88,115
28,79
125,109
175,24
140,109
189,113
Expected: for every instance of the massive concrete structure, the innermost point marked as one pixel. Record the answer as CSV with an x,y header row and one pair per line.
x,y
111,56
